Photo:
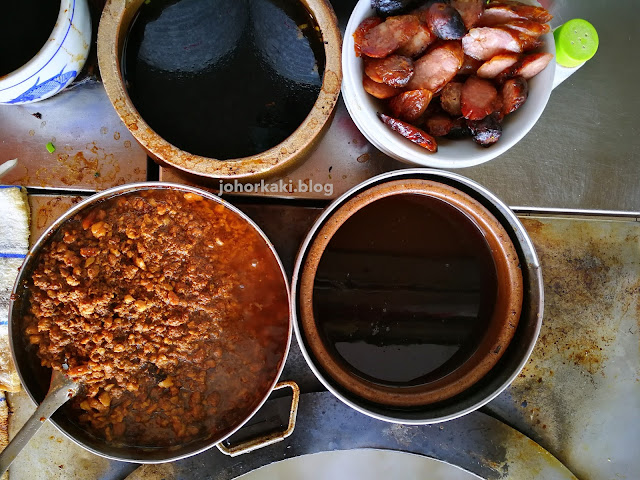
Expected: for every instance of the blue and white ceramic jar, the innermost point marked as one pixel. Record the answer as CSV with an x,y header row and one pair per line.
x,y
57,63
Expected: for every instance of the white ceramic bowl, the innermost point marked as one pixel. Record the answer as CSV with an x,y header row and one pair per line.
x,y
451,153
57,63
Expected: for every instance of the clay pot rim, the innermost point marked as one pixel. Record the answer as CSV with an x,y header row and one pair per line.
x,y
113,28
504,319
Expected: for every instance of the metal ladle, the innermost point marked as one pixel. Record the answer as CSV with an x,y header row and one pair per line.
x,y
61,389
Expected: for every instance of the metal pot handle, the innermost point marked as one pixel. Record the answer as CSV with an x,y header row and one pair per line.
x,y
271,438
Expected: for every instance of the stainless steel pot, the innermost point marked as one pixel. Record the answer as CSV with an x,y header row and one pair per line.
x,y
35,378
520,347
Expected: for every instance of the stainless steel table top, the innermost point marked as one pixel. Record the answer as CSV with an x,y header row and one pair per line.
x,y
583,154
578,396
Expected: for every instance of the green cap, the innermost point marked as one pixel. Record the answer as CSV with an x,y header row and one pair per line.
x,y
576,42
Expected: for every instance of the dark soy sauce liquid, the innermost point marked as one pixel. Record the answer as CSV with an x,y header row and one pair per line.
x,y
225,78
404,290
25,26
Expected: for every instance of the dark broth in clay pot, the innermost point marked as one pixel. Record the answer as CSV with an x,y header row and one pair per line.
x,y
405,290
226,78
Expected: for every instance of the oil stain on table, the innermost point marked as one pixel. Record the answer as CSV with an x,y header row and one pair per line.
x,y
580,390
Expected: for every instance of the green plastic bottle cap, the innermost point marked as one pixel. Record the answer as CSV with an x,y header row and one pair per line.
x,y
576,42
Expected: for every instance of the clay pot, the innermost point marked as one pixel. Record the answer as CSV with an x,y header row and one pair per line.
x,y
501,325
114,26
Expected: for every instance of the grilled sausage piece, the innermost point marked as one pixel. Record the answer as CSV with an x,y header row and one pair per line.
x,y
470,11
533,64
422,11
437,67
478,98
450,98
469,66
494,16
530,12
390,35
514,94
379,90
498,64
410,105
529,27
385,8
459,129
394,70
410,132
439,124
364,27
527,42
487,131
433,107
418,44
486,42
445,22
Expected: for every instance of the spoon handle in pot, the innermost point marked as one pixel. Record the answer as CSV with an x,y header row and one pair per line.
x,y
61,390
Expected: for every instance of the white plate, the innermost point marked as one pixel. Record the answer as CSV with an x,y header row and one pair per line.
x,y
367,464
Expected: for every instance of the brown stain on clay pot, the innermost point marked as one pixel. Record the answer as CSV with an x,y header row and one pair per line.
x,y
331,83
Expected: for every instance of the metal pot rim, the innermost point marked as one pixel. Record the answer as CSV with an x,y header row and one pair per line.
x,y
32,255
530,323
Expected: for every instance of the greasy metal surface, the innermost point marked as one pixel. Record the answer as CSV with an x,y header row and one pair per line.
x,y
579,395
52,456
586,412
45,209
94,150
587,133
326,424
62,389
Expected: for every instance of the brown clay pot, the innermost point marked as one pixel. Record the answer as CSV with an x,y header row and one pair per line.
x,y
116,19
501,326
